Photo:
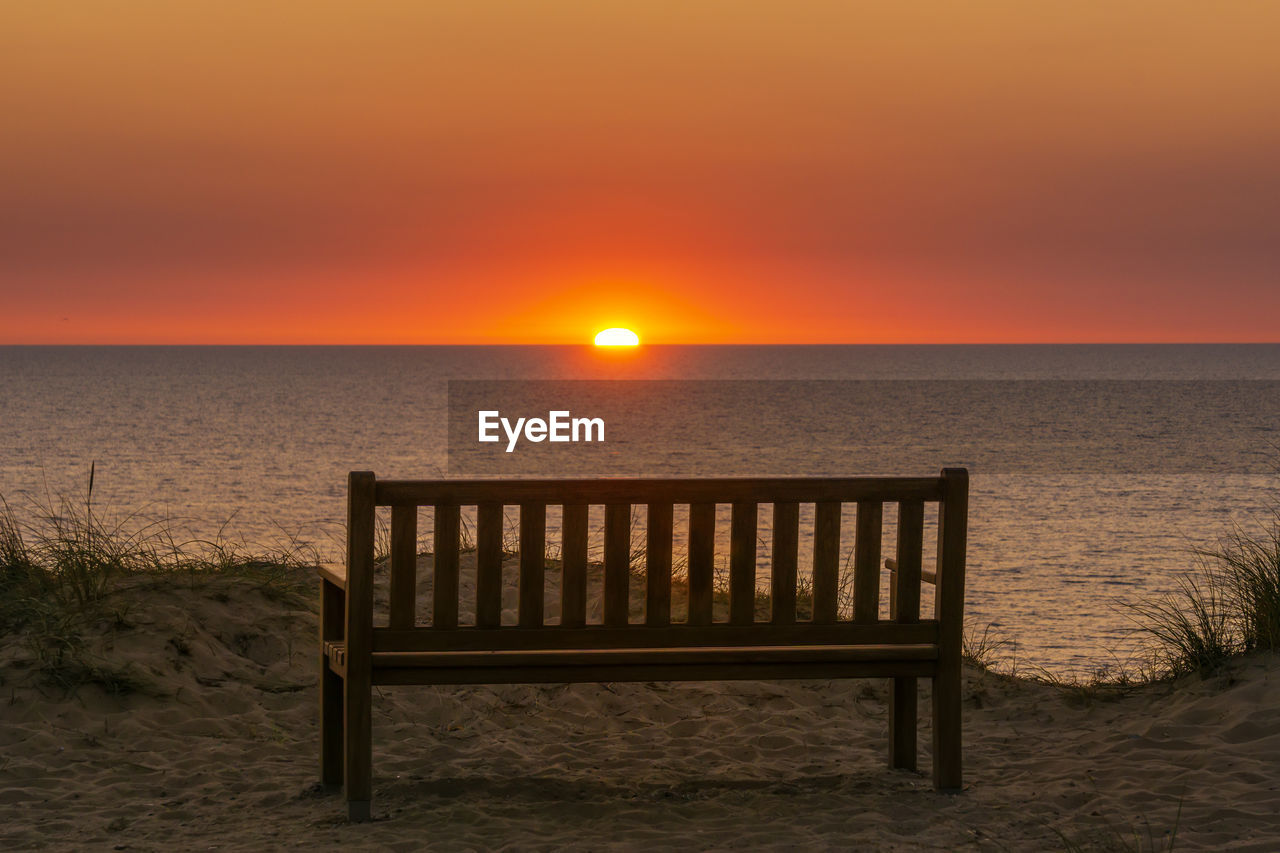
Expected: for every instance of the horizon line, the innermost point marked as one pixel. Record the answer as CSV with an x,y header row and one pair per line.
x,y
589,345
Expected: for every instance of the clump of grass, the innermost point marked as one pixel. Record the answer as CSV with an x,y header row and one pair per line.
x,y
1252,567
68,559
1191,627
987,651
1229,605
64,566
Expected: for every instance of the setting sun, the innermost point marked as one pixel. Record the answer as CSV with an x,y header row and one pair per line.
x,y
617,338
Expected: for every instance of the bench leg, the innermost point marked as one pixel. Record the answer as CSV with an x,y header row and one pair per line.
x,y
330,727
357,699
359,811
947,773
332,602
902,724
357,746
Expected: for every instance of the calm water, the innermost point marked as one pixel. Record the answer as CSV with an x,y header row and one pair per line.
x,y
265,436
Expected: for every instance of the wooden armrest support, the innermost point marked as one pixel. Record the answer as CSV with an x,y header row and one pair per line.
x,y
926,575
334,574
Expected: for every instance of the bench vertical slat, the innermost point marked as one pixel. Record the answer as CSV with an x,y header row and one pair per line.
x,y
404,566
657,559
702,549
910,562
358,684
826,561
445,583
533,550
617,563
949,608
573,563
489,565
786,547
904,594
742,564
866,562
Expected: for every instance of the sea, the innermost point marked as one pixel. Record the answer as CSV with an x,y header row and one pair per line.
x,y
1098,472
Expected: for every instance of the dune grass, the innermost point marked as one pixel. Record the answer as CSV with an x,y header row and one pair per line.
x,y
1227,606
65,568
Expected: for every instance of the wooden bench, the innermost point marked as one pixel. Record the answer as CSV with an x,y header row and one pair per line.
x,y
356,654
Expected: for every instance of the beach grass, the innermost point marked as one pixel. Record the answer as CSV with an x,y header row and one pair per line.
x,y
1228,605
65,568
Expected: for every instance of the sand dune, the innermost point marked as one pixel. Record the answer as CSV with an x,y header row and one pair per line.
x,y
218,751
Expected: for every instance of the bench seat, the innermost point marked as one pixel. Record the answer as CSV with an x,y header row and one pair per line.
x,y
636,664
533,666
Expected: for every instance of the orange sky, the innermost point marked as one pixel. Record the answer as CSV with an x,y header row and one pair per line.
x,y
464,171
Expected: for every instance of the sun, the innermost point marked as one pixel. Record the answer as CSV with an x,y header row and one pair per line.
x,y
617,338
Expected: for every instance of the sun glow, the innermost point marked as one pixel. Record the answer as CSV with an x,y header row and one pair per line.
x,y
617,338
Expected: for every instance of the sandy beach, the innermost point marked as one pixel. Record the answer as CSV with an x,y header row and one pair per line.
x,y
215,748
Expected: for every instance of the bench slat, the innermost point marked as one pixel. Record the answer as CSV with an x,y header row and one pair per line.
x,y
742,564
445,588
645,490
826,562
489,565
404,566
617,562
643,636
657,559
656,656
906,570
533,557
702,550
573,563
786,548
866,562
589,673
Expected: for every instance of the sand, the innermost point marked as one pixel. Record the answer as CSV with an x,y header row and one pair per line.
x,y
217,751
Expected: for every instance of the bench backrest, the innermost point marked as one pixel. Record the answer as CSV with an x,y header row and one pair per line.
x,y
446,498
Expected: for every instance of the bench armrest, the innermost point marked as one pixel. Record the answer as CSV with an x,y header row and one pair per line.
x,y
926,575
334,574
